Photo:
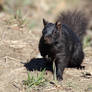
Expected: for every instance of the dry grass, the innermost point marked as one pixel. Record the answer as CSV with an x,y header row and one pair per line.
x,y
20,30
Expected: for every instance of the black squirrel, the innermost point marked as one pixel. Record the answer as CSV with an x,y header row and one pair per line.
x,y
62,41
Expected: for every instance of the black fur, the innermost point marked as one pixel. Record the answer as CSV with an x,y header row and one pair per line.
x,y
61,41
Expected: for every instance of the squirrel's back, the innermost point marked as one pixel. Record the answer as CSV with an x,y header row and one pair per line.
x,y
76,21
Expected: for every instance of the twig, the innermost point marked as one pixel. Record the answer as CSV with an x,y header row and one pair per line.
x,y
16,86
8,57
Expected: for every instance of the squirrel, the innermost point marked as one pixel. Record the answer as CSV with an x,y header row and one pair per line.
x,y
62,41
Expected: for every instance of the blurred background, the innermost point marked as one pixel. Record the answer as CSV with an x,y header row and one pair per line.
x,y
33,11
20,30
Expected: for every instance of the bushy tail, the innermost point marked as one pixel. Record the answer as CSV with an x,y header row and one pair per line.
x,y
76,21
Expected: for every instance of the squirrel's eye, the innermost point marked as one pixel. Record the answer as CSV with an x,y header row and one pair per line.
x,y
55,32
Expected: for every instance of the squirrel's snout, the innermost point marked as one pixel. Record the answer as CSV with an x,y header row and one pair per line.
x,y
45,38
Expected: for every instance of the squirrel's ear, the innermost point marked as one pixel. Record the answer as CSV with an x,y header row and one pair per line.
x,y
58,25
44,22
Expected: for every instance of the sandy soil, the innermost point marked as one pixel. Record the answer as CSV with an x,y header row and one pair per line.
x,y
19,54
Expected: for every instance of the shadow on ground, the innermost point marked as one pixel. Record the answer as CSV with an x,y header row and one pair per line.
x,y
38,64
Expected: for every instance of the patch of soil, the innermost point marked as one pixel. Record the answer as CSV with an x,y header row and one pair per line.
x,y
19,54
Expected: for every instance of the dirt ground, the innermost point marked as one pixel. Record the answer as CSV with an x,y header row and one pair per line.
x,y
19,50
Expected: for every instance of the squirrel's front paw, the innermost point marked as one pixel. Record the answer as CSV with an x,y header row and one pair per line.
x,y
59,78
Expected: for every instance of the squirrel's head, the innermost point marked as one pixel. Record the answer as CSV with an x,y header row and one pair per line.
x,y
51,31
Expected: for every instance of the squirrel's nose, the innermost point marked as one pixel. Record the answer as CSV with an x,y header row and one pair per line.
x,y
45,38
